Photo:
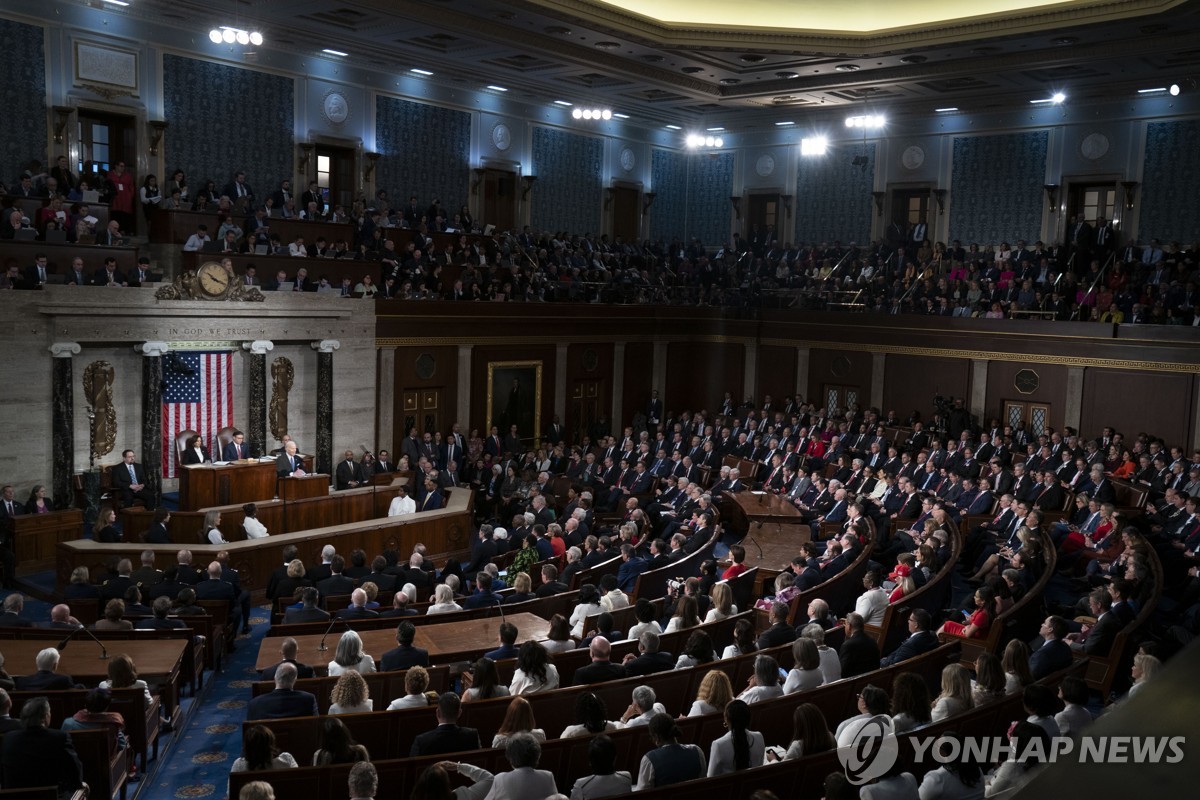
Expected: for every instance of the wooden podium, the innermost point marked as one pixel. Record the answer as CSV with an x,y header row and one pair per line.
x,y
36,537
756,506
205,485
301,488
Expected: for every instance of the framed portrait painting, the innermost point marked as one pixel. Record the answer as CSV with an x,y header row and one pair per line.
x,y
514,397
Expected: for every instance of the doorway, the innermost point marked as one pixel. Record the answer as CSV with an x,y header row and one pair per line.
x,y
762,214
911,207
335,175
626,213
1095,200
840,397
585,407
104,140
499,198
1034,416
421,409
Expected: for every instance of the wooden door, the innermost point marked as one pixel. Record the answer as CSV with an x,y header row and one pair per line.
x,y
762,212
626,214
584,409
499,199
335,174
422,409
841,397
1034,415
910,206
1093,200
104,141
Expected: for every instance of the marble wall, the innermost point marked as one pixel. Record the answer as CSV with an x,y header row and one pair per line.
x,y
30,322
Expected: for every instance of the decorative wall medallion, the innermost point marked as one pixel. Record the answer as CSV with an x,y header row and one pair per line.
x,y
426,366
1094,146
912,157
336,107
501,136
840,367
591,360
765,165
1027,381
628,159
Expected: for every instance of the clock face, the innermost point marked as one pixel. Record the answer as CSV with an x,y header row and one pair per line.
x,y
912,157
212,279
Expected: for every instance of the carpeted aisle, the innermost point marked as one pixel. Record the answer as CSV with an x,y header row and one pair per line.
x,y
197,763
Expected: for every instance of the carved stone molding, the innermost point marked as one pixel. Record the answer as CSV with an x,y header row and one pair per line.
x,y
259,347
64,349
152,349
326,345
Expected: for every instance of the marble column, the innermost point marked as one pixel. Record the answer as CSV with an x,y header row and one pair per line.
x,y
979,376
463,416
62,437
618,387
385,403
878,373
256,389
325,399
750,371
803,354
152,433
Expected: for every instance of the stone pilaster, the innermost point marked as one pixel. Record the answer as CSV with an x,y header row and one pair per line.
x,y
324,455
464,410
62,437
152,432
618,388
385,405
256,391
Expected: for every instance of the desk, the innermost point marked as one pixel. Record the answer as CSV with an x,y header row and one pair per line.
x,y
203,485
177,226
777,544
36,537
747,507
157,660
447,642
60,257
31,205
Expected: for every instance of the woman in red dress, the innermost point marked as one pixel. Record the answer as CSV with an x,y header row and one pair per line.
x,y
977,626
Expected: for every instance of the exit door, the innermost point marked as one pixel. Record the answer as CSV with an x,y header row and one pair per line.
x,y
335,175
626,213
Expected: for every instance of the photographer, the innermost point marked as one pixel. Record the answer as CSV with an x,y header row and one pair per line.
x,y
679,588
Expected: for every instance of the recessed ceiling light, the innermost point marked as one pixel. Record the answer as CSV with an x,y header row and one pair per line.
x,y
787,76
673,127
1152,91
563,103
847,67
730,81
913,60
329,52
495,88
752,58
620,116
714,129
947,108
417,71
782,124
607,45
1174,90
692,70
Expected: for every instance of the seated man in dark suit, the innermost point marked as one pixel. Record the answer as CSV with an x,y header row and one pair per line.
x,y
61,619
36,754
921,639
157,534
46,678
160,621
129,480
288,651
399,607
550,583
508,643
284,701
858,652
358,607
1098,639
1052,653
336,583
14,604
214,588
780,631
236,448
308,611
648,660
601,668
483,596
447,737
404,655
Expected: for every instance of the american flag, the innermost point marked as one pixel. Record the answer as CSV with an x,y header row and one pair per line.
x,y
198,395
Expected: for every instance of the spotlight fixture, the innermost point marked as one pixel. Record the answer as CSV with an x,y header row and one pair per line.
x,y
814,146
1057,98
866,121
588,113
229,35
696,140
1174,90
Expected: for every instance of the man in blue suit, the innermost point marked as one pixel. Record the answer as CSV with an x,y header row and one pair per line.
x,y
631,567
1054,653
236,448
404,655
836,514
508,643
433,498
284,701
920,639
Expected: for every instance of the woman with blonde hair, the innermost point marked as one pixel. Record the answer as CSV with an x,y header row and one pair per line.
x,y
212,528
714,694
956,693
350,694
105,530
1145,667
722,603
443,600
350,655
518,719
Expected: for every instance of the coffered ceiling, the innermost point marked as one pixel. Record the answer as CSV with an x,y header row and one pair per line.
x,y
741,64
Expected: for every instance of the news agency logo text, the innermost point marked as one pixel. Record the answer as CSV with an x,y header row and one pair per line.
x,y
873,750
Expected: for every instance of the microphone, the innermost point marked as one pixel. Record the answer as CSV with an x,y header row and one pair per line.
x,y
63,644
322,647
756,544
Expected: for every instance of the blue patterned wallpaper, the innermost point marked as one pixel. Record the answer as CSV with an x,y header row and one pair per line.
x,y
426,152
996,192
1170,207
833,196
567,195
710,184
225,118
23,97
668,179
